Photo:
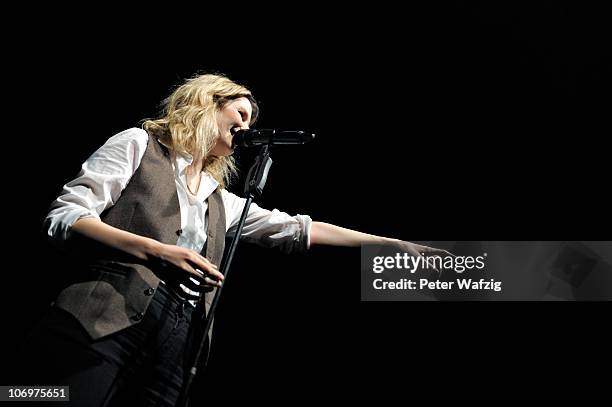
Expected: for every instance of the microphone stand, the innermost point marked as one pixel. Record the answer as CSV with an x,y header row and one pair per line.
x,y
255,183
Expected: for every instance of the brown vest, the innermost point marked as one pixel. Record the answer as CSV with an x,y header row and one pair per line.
x,y
117,294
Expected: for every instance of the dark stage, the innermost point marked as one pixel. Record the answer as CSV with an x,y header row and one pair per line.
x,y
451,122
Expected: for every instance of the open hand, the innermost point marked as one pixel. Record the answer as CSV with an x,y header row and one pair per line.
x,y
180,265
418,250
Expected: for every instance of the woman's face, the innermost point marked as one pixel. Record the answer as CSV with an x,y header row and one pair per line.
x,y
236,114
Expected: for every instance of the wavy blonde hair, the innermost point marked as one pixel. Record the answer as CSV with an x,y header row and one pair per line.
x,y
188,123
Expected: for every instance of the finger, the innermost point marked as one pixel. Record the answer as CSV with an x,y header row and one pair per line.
x,y
205,265
207,280
198,290
440,252
205,260
431,265
212,282
217,275
428,249
198,275
449,253
205,284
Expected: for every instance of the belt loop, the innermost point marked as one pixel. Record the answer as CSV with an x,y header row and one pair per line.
x,y
180,313
181,309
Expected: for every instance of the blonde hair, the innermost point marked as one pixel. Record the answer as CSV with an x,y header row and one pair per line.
x,y
188,122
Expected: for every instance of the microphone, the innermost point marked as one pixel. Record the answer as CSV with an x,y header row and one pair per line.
x,y
255,137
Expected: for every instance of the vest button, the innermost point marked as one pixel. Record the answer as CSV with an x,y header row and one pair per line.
x,y
138,316
149,291
179,232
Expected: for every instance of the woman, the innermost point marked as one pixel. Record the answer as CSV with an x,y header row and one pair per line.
x,y
147,216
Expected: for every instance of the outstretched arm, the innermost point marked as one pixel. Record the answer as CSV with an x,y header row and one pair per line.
x,y
328,234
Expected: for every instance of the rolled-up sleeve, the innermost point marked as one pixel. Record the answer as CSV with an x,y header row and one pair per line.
x,y
274,229
98,185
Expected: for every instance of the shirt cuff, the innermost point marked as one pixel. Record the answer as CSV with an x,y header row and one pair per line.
x,y
302,239
58,228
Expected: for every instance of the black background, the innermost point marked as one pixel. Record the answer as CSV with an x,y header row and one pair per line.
x,y
459,121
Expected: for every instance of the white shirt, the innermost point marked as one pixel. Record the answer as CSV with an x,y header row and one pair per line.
x,y
106,173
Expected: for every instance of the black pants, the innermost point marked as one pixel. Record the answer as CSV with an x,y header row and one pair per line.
x,y
143,365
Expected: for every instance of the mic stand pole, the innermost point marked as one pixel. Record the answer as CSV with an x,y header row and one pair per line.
x,y
255,182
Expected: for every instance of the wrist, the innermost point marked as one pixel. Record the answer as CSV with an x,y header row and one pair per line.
x,y
388,240
150,249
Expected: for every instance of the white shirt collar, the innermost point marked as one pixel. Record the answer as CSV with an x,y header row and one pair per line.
x,y
207,183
